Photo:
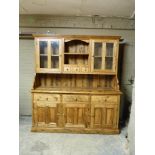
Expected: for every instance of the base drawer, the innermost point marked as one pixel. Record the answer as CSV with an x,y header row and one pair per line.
x,y
104,98
47,97
75,98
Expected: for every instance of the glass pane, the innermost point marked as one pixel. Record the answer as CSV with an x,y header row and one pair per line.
x,y
108,62
109,49
55,47
98,49
43,47
43,61
54,61
97,63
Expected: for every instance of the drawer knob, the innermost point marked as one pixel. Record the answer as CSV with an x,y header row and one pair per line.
x,y
46,98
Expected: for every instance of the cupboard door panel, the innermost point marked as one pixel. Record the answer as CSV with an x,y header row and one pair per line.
x,y
55,54
51,117
98,117
81,116
43,53
41,116
109,116
103,116
70,115
109,56
76,115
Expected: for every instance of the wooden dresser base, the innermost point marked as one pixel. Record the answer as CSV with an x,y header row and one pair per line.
x,y
86,112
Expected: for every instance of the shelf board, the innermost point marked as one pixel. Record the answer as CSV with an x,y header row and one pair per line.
x,y
47,55
76,65
76,53
98,56
77,90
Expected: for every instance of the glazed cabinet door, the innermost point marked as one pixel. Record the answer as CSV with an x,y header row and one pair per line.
x,y
104,116
42,53
104,56
48,55
55,54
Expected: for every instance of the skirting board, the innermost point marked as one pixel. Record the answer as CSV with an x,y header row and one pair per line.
x,y
73,130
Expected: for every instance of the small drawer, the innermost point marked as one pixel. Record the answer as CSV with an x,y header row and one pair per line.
x,y
84,69
40,104
75,69
67,69
75,98
47,97
105,98
45,104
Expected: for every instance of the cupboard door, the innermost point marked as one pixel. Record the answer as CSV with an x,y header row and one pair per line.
x,y
55,54
48,55
109,56
104,56
98,56
104,116
76,115
47,114
40,114
43,54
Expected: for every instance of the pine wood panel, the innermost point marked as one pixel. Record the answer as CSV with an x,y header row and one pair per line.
x,y
75,115
104,116
75,111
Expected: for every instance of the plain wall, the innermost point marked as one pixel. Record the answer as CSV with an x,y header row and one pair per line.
x,y
26,75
